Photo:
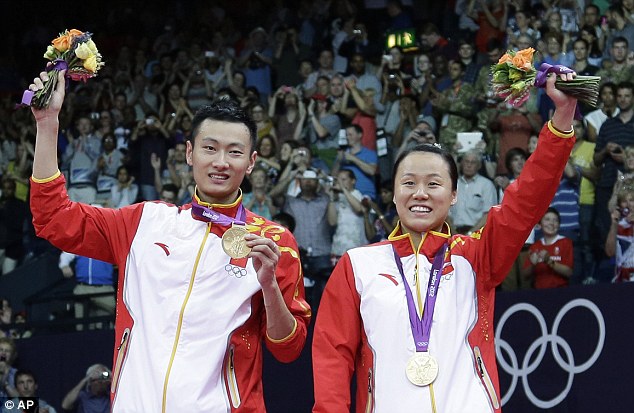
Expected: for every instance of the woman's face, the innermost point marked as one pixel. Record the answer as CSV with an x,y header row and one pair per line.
x,y
387,195
122,175
532,144
258,179
423,192
397,56
257,112
266,148
424,63
517,164
285,152
290,99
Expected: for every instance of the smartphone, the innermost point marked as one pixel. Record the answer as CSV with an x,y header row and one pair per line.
x,y
381,146
210,53
342,139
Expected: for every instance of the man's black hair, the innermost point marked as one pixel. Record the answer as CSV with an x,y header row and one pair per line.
x,y
224,110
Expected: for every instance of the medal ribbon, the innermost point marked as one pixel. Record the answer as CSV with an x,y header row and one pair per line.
x,y
209,215
421,327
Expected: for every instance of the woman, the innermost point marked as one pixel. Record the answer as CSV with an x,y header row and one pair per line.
x,y
259,114
422,84
125,192
266,149
363,318
289,121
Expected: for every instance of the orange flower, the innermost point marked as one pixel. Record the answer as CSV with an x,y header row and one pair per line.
x,y
505,58
74,33
62,43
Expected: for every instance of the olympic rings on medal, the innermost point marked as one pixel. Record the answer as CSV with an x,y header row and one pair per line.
x,y
529,363
235,271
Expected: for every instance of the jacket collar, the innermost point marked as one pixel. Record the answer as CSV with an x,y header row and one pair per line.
x,y
430,243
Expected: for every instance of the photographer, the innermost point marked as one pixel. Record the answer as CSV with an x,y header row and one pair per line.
x,y
148,137
424,132
359,159
91,394
323,126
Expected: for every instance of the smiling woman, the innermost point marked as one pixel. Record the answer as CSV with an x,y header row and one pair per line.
x,y
440,337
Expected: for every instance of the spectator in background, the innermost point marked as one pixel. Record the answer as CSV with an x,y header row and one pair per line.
x,y
197,89
615,134
323,127
125,192
257,59
620,239
490,16
108,163
310,209
347,217
617,69
606,108
13,216
550,260
326,62
380,219
92,277
80,160
620,27
260,115
360,160
258,200
26,385
423,82
289,52
92,393
595,54
456,106
267,159
477,196
8,354
288,113
149,137
466,52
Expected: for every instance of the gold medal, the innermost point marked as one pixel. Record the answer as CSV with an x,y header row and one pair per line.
x,y
422,369
233,242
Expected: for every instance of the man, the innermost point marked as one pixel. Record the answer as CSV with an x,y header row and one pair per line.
x,y
424,132
80,159
617,70
466,51
13,215
90,395
477,196
184,305
606,109
92,277
619,27
364,79
326,68
360,160
26,384
615,134
311,209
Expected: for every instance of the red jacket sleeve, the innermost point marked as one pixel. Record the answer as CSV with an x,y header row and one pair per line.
x,y
525,202
336,340
101,233
291,282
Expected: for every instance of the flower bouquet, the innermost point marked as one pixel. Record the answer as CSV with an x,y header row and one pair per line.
x,y
73,51
515,73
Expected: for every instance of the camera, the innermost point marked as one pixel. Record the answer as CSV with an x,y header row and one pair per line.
x,y
105,375
287,89
625,212
149,121
210,53
199,72
387,57
301,152
342,139
94,116
356,31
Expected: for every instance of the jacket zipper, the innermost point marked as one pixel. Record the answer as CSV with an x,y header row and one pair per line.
x,y
180,318
121,351
484,375
370,404
232,383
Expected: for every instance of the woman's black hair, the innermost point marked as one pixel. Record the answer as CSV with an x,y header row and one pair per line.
x,y
431,148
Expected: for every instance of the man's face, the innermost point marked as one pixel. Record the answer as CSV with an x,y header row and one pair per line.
x,y
84,126
6,353
308,185
25,384
469,165
220,157
422,133
607,96
358,65
455,71
624,99
180,152
619,52
353,136
325,60
494,55
466,51
344,180
550,224
8,190
169,197
590,16
336,86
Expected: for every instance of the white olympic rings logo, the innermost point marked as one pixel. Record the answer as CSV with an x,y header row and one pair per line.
x,y
541,343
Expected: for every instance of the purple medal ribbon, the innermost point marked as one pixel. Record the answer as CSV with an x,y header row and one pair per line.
x,y
58,64
421,328
209,215
542,75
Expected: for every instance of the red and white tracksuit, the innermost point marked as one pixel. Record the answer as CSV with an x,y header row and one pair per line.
x,y
190,320
363,321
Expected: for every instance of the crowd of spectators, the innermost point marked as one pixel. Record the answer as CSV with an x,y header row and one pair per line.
x,y
334,105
